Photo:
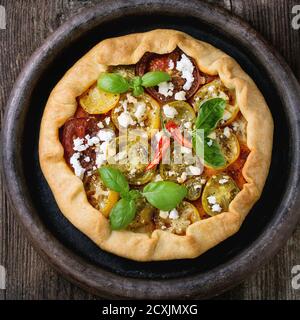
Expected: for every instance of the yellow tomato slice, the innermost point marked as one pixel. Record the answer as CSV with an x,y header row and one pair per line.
x,y
216,89
185,112
149,119
219,191
97,101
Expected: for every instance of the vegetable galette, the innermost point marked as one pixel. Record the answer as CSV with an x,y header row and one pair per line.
x,y
156,145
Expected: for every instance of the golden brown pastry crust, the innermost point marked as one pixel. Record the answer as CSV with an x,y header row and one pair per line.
x,y
68,189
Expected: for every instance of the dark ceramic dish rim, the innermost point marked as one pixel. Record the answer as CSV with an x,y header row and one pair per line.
x,y
108,284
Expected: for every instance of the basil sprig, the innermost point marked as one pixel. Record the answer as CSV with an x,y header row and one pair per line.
x,y
164,195
210,113
116,83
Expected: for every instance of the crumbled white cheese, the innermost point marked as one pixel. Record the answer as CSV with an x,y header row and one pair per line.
x,y
173,214
103,147
100,159
125,120
78,145
172,173
186,67
180,95
212,200
169,111
171,64
100,125
196,171
203,181
197,186
216,208
140,109
105,134
107,120
182,178
163,214
166,88
188,125
142,124
226,132
87,159
223,181
209,143
75,163
131,99
92,141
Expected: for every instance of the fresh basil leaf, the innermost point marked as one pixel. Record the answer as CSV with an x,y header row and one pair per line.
x,y
164,195
137,91
122,214
210,113
136,82
213,155
113,83
153,78
114,179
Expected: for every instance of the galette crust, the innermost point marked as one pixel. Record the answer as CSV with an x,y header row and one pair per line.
x,y
68,189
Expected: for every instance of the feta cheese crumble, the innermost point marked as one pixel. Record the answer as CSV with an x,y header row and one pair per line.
x,y
169,111
166,88
173,214
105,135
125,120
140,110
75,163
216,208
212,200
185,66
223,181
78,145
180,95
171,64
163,214
209,143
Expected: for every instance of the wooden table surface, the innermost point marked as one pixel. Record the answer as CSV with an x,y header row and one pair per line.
x,y
29,22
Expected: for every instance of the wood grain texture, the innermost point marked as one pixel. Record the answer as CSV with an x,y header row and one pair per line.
x,y
29,22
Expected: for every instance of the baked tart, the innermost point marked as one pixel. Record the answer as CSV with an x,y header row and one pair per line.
x,y
156,145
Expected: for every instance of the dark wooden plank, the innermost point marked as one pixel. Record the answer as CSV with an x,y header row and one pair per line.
x,y
29,22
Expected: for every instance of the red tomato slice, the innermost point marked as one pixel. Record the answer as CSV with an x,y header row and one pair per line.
x,y
79,128
160,62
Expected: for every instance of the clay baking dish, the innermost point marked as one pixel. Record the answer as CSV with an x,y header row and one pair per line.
x,y
266,228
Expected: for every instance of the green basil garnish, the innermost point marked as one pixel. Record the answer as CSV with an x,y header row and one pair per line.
x,y
116,83
113,83
210,113
164,195
213,154
114,180
154,78
122,214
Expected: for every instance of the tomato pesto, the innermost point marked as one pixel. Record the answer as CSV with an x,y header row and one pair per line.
x,y
138,116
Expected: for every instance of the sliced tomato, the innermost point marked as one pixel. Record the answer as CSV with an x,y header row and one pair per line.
x,y
219,191
78,128
163,62
97,101
175,132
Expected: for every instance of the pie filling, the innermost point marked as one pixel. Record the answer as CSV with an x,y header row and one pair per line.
x,y
133,142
